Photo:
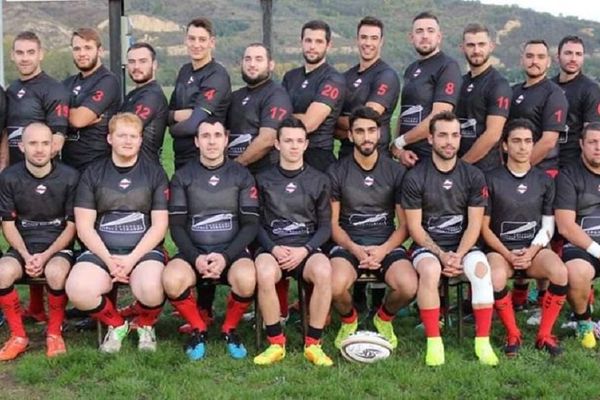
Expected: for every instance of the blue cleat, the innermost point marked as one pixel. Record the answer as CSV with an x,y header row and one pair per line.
x,y
235,348
195,348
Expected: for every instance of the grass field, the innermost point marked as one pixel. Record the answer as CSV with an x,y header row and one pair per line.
x,y
84,373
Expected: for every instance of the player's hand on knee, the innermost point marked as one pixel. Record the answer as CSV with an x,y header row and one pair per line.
x,y
295,257
280,252
201,264
360,253
216,265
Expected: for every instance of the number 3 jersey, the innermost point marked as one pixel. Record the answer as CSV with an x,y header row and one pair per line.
x,y
123,199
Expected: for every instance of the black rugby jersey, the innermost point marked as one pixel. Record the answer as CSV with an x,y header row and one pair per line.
x,y
323,85
436,79
583,97
516,205
444,198
367,198
486,94
545,105
264,106
150,104
40,207
295,208
207,87
123,199
379,84
39,99
100,93
2,109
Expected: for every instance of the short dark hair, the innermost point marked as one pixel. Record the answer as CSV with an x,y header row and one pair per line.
x,y
476,28
317,25
264,46
201,22
364,112
29,36
89,34
426,15
518,123
291,122
592,126
143,45
535,41
570,39
370,21
442,116
211,120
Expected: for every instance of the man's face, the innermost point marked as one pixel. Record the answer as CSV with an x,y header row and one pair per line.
x,y
364,133
36,145
256,66
211,140
291,144
445,140
369,41
570,58
426,36
140,66
535,60
86,53
126,140
199,43
314,45
477,48
590,148
27,56
519,145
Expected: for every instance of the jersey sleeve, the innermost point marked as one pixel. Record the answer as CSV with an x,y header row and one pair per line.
x,y
447,87
85,194
160,196
177,196
385,89
7,204
591,111
56,106
556,108
102,96
248,195
498,99
333,173
412,192
323,206
478,190
489,180
566,195
274,110
549,195
331,92
213,91
2,110
70,199
400,173
147,106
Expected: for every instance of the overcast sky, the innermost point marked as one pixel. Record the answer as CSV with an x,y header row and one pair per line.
x,y
584,9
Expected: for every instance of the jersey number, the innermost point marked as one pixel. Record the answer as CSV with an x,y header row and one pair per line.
x,y
62,110
503,102
449,89
278,113
383,88
142,111
330,91
558,115
210,94
98,96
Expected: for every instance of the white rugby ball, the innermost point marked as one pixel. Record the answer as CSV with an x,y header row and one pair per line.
x,y
366,347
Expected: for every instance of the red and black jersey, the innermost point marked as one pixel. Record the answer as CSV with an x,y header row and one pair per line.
x,y
39,99
322,85
207,87
264,106
485,94
40,207
444,198
100,93
517,203
545,105
436,79
150,104
123,199
583,96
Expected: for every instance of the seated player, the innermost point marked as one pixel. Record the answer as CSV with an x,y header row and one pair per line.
x,y
295,222
36,205
444,200
517,227
213,218
121,218
366,189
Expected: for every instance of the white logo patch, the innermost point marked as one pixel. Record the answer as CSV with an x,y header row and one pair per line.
x,y
291,187
304,84
447,184
245,101
124,184
470,88
41,189
520,99
417,73
214,180
21,93
522,188
357,83
369,181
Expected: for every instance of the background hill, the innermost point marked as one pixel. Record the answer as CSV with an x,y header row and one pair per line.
x,y
238,22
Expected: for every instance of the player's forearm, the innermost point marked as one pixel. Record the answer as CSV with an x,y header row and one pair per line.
x,y
153,236
396,239
92,241
341,237
494,243
4,158
482,146
58,141
245,236
183,114
417,133
573,233
321,235
422,238
265,240
63,240
469,238
543,147
256,150
182,239
14,238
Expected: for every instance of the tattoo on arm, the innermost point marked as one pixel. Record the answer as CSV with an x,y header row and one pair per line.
x,y
431,245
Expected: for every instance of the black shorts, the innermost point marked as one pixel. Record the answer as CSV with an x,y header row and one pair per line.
x,y
399,253
67,254
319,158
417,251
295,273
573,253
223,278
158,254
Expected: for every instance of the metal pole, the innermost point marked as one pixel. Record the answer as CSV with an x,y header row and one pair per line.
x,y
115,11
267,21
1,44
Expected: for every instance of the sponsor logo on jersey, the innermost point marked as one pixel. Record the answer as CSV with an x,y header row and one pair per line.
x,y
591,226
417,72
238,144
220,222
291,187
304,84
124,183
447,184
369,181
445,224
520,99
522,188
14,135
245,100
563,136
368,220
21,93
76,90
470,88
41,189
285,227
357,83
512,231
191,80
122,223
26,223
411,115
214,180
468,127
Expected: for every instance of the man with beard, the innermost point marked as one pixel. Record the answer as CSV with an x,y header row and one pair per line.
x,y
483,103
256,111
444,200
372,83
583,96
202,88
431,85
317,93
366,190
147,100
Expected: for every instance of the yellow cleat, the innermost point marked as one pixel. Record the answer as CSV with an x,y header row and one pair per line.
x,y
315,354
585,332
345,331
435,352
485,352
386,329
271,355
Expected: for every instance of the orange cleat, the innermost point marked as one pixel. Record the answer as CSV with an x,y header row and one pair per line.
x,y
55,346
13,348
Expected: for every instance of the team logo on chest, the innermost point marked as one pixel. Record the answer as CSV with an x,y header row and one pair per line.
x,y
447,184
76,90
304,84
520,99
41,189
522,188
369,181
357,82
470,88
191,80
291,187
214,180
124,183
245,101
21,93
417,72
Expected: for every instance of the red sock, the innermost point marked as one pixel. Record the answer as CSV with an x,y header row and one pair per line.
x,y
431,321
282,288
279,339
186,306
147,315
36,299
236,307
483,321
57,301
505,311
9,301
107,313
351,318
519,294
384,315
550,310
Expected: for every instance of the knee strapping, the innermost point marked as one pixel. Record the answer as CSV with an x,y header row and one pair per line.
x,y
483,292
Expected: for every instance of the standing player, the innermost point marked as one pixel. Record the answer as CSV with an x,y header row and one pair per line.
x,y
577,212
121,217
202,88
583,96
295,222
444,199
431,85
483,103
372,83
517,228
256,111
95,98
147,100
366,190
213,218
36,205
317,93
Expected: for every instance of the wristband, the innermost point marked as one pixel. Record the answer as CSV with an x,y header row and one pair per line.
x,y
400,142
594,249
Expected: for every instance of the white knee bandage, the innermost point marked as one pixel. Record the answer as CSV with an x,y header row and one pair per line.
x,y
483,292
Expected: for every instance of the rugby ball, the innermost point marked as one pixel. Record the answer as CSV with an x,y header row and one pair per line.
x,y
365,347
